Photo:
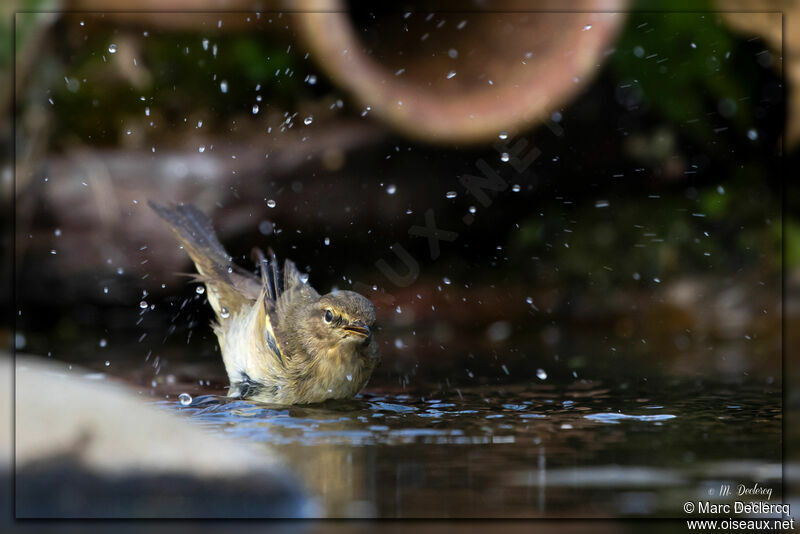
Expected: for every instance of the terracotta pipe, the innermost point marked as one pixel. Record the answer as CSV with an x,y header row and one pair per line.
x,y
462,77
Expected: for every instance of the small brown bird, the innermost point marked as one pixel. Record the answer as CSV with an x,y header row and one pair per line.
x,y
280,340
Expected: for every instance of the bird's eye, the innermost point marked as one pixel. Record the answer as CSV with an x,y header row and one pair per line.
x,y
328,316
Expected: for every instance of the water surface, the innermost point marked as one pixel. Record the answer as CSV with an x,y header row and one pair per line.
x,y
529,450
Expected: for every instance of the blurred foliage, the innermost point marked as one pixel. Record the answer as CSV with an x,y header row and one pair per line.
x,y
684,73
713,230
17,26
690,91
682,64
188,72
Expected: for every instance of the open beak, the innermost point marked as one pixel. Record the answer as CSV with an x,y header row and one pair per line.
x,y
358,328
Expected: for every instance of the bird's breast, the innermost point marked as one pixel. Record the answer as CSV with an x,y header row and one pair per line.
x,y
338,373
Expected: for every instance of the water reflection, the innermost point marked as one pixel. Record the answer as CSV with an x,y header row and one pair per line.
x,y
581,449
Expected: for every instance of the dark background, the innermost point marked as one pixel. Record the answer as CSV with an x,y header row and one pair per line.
x,y
644,241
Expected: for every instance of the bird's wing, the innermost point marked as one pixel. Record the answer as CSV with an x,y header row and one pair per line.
x,y
273,284
269,294
292,277
285,296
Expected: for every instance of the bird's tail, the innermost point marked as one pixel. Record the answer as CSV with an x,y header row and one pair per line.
x,y
194,231
228,287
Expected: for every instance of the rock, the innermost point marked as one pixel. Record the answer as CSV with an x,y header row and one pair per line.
x,y
91,449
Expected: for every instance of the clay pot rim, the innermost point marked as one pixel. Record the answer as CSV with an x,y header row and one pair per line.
x,y
426,115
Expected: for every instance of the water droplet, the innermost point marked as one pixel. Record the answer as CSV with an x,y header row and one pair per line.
x,y
308,120
57,231
503,135
327,241
266,227
53,252
587,27
473,210
255,109
108,363
143,304
451,194
185,399
504,157
349,378
271,203
201,148
205,44
103,343
224,313
693,45
447,281
453,53
311,79
601,204
72,84
223,86
451,74
200,290
752,134
516,188
636,276
112,48
638,51
657,280
541,374
391,189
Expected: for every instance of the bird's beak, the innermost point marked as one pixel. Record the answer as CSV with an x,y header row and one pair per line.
x,y
358,328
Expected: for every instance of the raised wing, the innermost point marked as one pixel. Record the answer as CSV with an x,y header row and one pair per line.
x,y
286,295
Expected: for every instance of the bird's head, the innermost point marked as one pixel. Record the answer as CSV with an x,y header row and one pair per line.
x,y
343,317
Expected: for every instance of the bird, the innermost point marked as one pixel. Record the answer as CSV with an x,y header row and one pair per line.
x,y
281,341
